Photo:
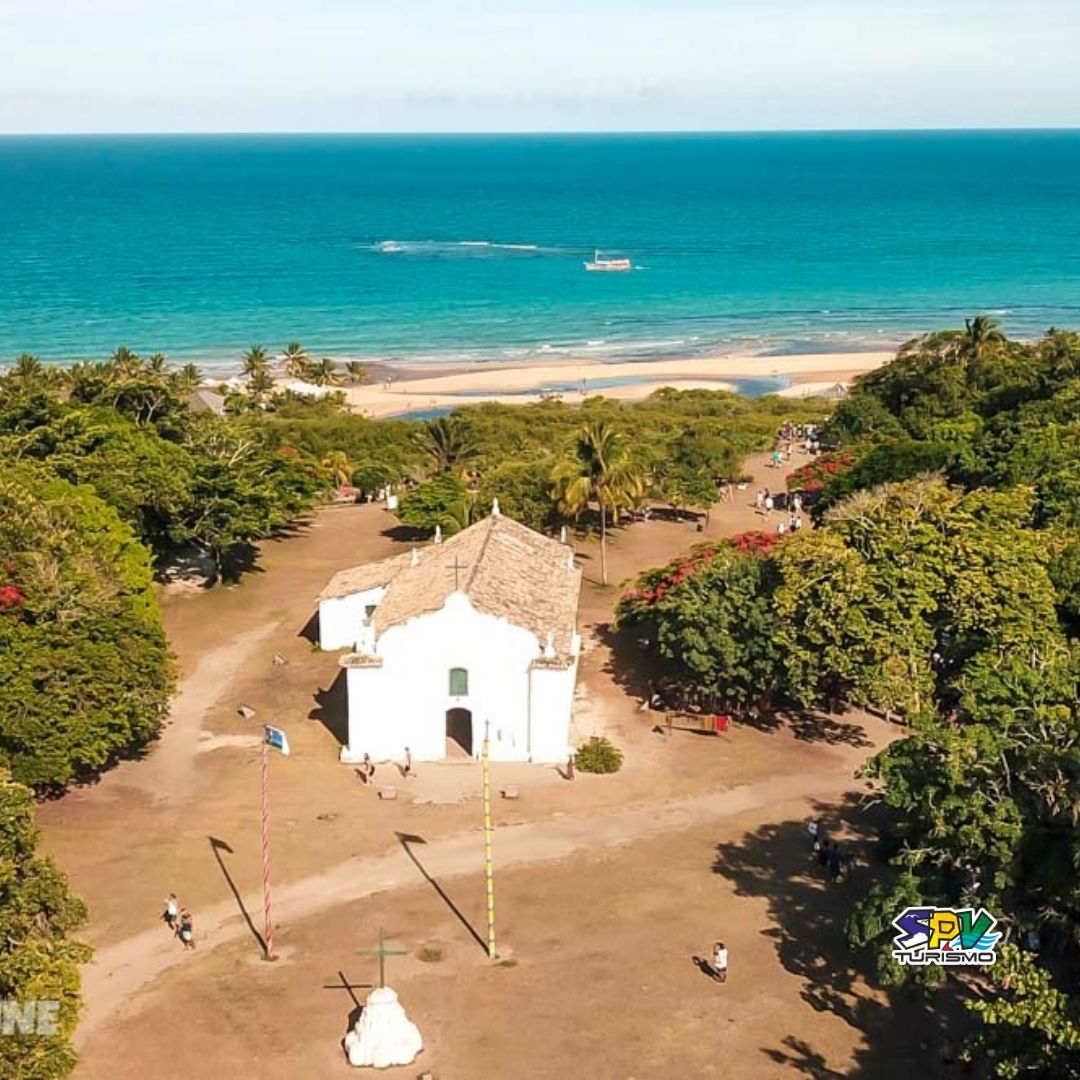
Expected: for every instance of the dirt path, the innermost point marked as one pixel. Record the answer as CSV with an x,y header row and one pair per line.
x,y
120,971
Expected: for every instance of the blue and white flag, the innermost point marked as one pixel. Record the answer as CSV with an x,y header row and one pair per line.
x,y
277,739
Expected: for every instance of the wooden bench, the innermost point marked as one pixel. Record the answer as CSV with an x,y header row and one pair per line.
x,y
511,791
388,792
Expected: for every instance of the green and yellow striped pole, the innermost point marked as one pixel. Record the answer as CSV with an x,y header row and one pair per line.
x,y
489,866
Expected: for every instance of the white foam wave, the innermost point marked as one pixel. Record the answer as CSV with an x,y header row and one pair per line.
x,y
453,248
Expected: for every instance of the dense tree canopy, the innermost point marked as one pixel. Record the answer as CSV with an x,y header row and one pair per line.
x,y
84,669
942,586
39,961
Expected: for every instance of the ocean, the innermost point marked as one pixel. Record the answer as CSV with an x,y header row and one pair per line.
x,y
470,248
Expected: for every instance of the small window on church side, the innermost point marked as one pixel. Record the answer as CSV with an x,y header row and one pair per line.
x,y
459,682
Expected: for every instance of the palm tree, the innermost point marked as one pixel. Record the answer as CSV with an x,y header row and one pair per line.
x,y
28,371
446,440
296,360
189,378
337,464
255,361
598,470
981,334
357,373
125,363
321,372
259,385
157,364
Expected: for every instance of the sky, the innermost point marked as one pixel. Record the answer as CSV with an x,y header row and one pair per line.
x,y
535,65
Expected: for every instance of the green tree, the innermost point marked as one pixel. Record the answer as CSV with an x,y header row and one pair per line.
x,y
322,372
523,489
446,442
40,960
337,466
255,362
441,501
296,360
356,373
599,469
85,674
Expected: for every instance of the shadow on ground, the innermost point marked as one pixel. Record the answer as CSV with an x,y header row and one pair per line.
x,y
638,675
331,708
903,1033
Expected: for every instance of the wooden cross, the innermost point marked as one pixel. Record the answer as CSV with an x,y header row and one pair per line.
x,y
382,952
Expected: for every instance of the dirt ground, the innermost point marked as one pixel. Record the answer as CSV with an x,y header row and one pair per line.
x,y
606,889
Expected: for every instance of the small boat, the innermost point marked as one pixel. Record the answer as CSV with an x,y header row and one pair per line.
x,y
599,263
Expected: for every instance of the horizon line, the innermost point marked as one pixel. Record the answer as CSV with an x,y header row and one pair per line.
x,y
538,133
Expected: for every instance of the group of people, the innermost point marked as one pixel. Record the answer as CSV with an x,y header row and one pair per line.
x,y
180,921
765,503
366,771
838,864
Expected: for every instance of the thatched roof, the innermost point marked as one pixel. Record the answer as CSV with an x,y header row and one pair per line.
x,y
504,568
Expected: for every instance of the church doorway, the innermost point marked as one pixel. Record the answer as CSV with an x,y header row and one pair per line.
x,y
459,736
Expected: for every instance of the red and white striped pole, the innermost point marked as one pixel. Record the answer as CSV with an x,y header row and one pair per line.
x,y
268,926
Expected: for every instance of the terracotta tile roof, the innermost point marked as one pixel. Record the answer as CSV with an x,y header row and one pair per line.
x,y
503,567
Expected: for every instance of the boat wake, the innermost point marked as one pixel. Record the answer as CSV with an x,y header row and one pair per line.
x,y
450,249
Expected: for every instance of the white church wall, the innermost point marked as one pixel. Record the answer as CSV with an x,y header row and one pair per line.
x,y
551,700
340,618
371,712
410,707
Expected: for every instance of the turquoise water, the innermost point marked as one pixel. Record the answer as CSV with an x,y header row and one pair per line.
x,y
472,247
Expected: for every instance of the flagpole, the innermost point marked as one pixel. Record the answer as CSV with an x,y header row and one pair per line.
x,y
489,867
268,922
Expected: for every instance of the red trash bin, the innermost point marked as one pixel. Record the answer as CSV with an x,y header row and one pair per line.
x,y
722,721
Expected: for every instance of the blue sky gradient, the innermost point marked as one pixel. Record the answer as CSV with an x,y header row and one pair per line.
x,y
535,65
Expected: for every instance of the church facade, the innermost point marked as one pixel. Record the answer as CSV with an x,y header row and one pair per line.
x,y
471,635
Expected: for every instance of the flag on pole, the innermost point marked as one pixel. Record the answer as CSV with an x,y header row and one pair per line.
x,y
276,738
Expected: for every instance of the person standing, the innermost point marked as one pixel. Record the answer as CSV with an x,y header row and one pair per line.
x,y
406,770
368,769
720,962
171,912
769,504
187,929
570,767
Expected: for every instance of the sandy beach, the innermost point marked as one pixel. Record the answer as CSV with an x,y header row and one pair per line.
x,y
415,389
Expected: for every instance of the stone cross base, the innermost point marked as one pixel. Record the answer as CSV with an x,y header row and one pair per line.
x,y
384,1035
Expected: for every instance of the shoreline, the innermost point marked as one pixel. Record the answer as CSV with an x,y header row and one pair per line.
x,y
420,388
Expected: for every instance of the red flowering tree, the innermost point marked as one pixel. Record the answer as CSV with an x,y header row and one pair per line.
x,y
816,474
705,623
11,596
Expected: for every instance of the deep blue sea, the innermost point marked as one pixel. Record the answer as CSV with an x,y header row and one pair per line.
x,y
471,247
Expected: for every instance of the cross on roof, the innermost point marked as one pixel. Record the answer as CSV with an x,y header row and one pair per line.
x,y
382,952
457,568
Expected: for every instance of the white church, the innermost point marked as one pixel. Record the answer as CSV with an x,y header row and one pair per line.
x,y
477,631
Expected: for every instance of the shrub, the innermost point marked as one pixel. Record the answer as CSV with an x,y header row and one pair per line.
x,y
598,755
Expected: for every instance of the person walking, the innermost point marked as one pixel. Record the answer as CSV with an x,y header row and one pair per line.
x,y
570,767
769,504
368,768
406,769
720,962
835,862
187,929
171,912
